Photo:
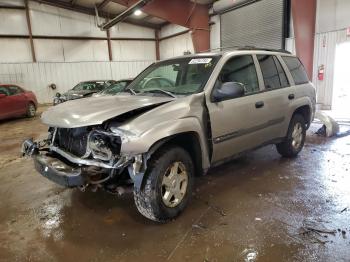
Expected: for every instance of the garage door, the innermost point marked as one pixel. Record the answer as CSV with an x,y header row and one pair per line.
x,y
258,24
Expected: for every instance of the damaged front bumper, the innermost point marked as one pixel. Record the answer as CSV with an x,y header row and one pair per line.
x,y
58,172
67,170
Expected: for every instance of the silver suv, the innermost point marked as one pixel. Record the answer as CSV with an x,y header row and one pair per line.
x,y
195,112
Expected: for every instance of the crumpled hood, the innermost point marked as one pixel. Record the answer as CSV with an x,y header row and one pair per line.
x,y
96,110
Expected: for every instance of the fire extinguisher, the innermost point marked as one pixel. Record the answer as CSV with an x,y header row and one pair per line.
x,y
321,73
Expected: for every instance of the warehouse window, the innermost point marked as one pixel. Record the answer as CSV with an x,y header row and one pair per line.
x,y
241,69
297,70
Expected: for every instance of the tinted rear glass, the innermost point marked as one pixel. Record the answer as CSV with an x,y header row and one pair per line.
x,y
297,70
269,71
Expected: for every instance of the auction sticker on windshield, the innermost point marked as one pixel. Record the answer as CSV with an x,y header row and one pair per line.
x,y
200,61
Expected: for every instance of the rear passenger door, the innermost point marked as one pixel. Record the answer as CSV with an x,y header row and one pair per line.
x,y
276,97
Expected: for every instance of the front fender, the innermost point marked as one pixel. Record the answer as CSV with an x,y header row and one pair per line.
x,y
146,140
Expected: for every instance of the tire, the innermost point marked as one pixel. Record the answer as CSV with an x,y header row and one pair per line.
x,y
294,142
31,110
154,200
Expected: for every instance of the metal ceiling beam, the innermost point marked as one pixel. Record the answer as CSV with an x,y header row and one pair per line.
x,y
12,7
181,12
103,4
75,37
29,25
128,12
91,11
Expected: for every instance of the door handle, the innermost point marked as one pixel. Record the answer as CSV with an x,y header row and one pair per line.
x,y
259,104
291,97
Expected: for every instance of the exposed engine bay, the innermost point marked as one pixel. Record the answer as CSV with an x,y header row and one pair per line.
x,y
85,156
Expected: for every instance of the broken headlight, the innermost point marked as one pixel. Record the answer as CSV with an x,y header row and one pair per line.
x,y
103,145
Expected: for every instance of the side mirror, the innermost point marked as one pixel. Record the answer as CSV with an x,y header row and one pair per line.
x,y
228,90
2,95
58,95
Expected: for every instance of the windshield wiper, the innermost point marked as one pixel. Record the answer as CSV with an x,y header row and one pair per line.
x,y
132,91
159,91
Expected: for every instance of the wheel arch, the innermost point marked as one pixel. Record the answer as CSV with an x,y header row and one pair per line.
x,y
305,111
190,141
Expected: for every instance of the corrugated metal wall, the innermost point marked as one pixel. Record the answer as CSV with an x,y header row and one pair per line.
x,y
38,76
325,48
332,19
66,62
175,46
52,21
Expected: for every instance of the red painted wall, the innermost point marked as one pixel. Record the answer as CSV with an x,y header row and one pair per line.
x,y
304,21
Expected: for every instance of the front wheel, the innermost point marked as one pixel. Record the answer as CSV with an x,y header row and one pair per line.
x,y
294,142
167,185
31,110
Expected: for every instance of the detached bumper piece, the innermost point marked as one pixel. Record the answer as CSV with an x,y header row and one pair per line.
x,y
58,172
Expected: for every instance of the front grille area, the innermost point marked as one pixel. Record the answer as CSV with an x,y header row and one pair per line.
x,y
72,140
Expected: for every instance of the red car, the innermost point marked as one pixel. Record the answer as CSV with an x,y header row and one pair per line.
x,y
15,102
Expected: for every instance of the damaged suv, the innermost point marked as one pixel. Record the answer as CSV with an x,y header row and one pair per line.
x,y
156,138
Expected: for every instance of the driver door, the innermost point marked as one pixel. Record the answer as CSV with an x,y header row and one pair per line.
x,y
238,124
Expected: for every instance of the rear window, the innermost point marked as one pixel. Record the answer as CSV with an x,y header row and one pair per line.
x,y
297,70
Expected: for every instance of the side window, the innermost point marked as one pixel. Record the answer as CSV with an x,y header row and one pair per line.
x,y
4,91
269,70
241,69
297,69
281,73
14,90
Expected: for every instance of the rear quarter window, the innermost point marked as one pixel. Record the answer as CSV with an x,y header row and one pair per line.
x,y
297,70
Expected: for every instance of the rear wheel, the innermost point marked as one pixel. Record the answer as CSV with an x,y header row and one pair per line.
x,y
294,142
31,110
167,186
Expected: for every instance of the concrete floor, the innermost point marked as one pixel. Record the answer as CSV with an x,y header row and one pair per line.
x,y
257,208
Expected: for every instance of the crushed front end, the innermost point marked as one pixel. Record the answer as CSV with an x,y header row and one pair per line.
x,y
82,157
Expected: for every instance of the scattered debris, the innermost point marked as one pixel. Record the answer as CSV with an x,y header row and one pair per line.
x,y
316,231
249,255
345,209
329,128
321,131
199,226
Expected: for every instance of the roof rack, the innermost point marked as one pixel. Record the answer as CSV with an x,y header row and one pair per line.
x,y
247,48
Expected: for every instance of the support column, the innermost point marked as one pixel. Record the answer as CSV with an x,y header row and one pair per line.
x,y
304,21
29,25
110,54
157,45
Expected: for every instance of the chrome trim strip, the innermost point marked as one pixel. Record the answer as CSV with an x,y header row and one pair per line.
x,y
247,131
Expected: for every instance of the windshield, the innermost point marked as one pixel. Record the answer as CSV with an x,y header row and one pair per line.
x,y
181,76
91,86
116,88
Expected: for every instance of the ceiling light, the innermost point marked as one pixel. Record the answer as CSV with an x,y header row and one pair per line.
x,y
138,12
